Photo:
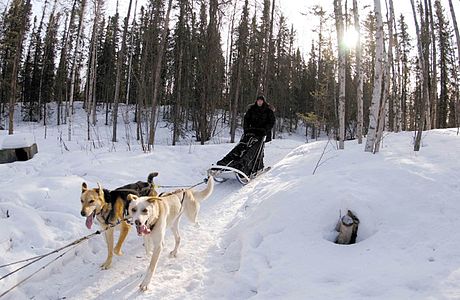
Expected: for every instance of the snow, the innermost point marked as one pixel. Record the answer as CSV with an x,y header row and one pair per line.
x,y
270,239
16,140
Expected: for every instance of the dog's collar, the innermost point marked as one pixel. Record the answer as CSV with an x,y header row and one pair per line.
x,y
152,225
104,215
155,221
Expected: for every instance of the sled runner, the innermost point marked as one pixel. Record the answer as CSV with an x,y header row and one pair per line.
x,y
244,161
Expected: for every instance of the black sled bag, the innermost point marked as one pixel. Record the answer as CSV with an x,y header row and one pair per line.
x,y
247,155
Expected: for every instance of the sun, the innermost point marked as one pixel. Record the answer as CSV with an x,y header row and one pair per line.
x,y
350,38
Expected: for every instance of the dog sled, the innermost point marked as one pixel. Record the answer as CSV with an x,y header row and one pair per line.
x,y
244,162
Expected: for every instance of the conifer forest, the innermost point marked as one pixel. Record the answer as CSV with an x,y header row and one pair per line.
x,y
198,64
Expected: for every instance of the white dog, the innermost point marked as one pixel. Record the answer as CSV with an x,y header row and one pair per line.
x,y
152,215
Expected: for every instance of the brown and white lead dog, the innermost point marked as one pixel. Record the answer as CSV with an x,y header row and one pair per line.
x,y
109,207
152,215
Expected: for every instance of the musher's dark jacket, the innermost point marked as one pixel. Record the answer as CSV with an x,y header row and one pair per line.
x,y
260,118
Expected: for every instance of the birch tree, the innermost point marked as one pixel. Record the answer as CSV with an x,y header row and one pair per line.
x,y
341,70
405,49
120,60
47,77
443,34
388,84
457,34
241,60
434,69
91,85
396,78
359,74
378,74
156,79
425,90
74,68
265,30
16,23
181,41
130,59
268,48
228,66
60,89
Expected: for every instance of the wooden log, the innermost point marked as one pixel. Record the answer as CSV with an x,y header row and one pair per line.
x,y
348,229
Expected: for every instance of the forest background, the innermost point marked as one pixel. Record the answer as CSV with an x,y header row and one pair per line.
x,y
348,69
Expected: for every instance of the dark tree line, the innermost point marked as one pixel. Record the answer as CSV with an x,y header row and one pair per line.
x,y
166,59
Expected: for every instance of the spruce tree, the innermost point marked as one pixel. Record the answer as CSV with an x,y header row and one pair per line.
x,y
16,25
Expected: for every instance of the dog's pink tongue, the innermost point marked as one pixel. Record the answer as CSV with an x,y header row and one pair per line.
x,y
89,221
142,230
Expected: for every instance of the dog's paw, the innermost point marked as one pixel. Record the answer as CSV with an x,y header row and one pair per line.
x,y
173,254
143,286
106,265
118,252
197,224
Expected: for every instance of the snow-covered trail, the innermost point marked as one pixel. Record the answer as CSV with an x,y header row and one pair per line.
x,y
181,277
175,278
77,275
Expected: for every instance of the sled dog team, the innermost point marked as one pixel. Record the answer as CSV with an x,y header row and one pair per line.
x,y
151,213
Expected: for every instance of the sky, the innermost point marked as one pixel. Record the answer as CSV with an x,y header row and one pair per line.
x,y
298,14
270,239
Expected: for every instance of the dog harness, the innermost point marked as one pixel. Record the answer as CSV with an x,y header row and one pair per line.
x,y
181,204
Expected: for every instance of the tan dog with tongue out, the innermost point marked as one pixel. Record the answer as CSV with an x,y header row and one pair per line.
x,y
152,215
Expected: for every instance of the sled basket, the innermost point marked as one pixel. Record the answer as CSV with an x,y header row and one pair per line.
x,y
244,161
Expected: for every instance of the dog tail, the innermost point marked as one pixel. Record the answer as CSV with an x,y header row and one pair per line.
x,y
202,195
151,176
192,200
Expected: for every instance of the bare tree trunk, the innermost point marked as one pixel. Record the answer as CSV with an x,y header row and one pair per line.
x,y
457,34
14,73
120,60
341,70
179,97
434,77
50,24
359,71
261,80
384,117
39,103
383,111
229,65
74,69
62,70
12,101
378,74
130,62
424,71
269,46
91,108
392,92
22,10
235,102
156,83
396,95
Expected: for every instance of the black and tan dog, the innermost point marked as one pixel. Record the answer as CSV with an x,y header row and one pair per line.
x,y
110,207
